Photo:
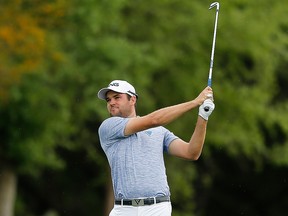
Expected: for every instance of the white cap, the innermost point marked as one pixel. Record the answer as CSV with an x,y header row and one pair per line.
x,y
119,86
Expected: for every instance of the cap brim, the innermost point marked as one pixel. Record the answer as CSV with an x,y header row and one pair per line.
x,y
102,93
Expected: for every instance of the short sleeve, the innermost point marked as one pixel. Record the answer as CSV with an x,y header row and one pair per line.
x,y
112,129
168,138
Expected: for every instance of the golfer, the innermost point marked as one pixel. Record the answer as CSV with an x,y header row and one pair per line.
x,y
134,146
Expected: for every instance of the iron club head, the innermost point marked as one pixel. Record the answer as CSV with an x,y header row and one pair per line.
x,y
213,5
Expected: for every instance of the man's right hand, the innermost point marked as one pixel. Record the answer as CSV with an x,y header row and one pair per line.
x,y
207,93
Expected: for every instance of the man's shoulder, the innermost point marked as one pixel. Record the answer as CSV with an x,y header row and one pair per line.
x,y
113,119
112,122
111,129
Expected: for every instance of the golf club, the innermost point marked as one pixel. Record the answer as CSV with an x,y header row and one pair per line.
x,y
213,46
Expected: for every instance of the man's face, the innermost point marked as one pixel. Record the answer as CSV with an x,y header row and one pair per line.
x,y
118,104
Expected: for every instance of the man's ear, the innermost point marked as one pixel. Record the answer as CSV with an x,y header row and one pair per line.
x,y
133,99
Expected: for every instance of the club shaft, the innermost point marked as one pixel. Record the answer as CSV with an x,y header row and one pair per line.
x,y
213,44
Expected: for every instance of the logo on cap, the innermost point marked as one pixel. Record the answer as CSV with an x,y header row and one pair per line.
x,y
114,84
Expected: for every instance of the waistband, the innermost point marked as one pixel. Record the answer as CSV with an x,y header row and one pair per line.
x,y
142,202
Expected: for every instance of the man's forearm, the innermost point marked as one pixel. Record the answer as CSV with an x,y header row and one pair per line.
x,y
168,114
196,142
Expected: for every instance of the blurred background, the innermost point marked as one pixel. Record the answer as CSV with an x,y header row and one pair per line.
x,y
56,54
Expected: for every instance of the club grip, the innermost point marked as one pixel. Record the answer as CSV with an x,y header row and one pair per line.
x,y
209,82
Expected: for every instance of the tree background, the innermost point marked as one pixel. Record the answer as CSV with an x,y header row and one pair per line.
x,y
56,55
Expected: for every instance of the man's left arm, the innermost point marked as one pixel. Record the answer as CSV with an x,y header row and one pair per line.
x,y
192,150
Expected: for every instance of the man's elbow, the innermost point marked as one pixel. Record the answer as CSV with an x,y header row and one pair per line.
x,y
194,156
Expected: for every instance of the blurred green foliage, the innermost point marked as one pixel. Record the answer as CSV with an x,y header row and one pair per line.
x,y
50,113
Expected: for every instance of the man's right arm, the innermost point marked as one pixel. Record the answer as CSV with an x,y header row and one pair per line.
x,y
165,115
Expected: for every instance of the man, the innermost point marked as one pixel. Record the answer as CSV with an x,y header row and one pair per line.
x,y
134,147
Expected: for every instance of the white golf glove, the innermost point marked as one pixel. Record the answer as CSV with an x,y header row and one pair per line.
x,y
206,109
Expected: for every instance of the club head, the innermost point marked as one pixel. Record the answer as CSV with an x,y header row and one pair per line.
x,y
213,5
